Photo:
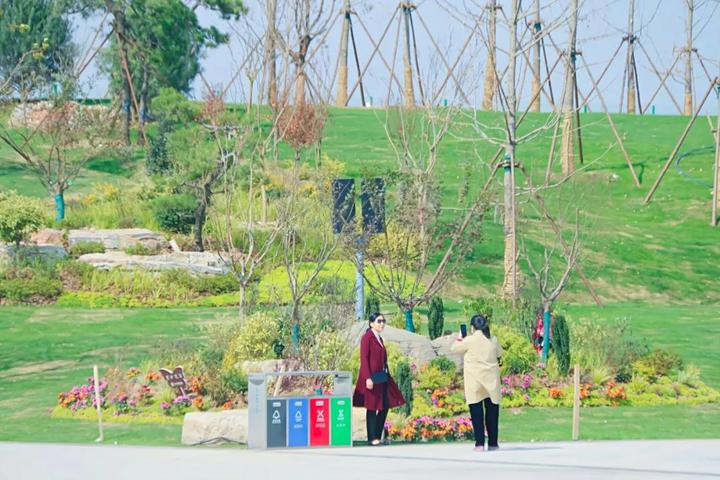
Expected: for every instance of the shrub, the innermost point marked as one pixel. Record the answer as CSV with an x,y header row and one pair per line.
x,y
172,108
436,318
444,364
403,378
431,378
140,249
519,356
594,344
372,305
175,213
158,161
34,289
561,344
82,248
254,340
658,363
20,217
482,306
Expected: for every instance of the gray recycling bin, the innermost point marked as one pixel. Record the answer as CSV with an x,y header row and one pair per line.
x,y
300,421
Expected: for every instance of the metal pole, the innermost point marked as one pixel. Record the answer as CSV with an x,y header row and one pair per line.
x,y
359,286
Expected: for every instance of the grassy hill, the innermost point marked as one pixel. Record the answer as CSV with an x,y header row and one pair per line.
x,y
664,252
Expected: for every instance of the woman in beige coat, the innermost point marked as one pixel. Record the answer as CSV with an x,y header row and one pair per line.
x,y
482,380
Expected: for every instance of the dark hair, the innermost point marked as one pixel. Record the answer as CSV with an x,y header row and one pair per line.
x,y
374,316
479,322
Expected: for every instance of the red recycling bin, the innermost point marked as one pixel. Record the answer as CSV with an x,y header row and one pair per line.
x,y
319,422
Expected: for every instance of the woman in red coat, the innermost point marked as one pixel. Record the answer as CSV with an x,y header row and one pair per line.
x,y
375,389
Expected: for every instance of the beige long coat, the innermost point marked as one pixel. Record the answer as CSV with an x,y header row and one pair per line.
x,y
481,368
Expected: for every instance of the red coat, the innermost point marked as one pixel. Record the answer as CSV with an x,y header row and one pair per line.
x,y
373,358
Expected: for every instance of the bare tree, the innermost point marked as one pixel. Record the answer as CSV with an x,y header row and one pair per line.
x,y
310,19
424,241
549,287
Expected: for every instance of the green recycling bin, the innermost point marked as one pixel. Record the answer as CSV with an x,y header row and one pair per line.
x,y
340,426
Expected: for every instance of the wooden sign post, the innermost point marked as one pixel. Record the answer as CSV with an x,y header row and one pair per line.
x,y
98,405
576,404
176,379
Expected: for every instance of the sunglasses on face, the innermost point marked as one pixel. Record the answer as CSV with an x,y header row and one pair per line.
x,y
380,320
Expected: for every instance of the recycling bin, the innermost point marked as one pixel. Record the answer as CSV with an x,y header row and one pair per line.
x,y
322,420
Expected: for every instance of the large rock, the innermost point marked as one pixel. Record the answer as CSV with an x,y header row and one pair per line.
x,y
442,345
195,262
270,366
46,252
417,347
119,239
47,236
212,427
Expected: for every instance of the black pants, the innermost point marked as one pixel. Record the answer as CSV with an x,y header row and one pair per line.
x,y
482,420
375,419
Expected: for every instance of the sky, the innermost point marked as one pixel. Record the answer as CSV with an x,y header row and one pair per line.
x,y
602,24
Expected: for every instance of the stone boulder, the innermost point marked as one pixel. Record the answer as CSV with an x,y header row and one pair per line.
x,y
47,236
213,427
46,252
416,347
441,345
195,262
270,366
120,239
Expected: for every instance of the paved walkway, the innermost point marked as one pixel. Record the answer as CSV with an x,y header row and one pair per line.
x,y
583,460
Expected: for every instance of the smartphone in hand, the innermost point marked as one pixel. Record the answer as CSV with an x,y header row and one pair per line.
x,y
463,330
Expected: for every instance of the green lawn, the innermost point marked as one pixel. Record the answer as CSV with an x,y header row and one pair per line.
x,y
44,350
658,253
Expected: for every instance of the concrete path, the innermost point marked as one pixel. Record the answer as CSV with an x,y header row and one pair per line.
x,y
584,460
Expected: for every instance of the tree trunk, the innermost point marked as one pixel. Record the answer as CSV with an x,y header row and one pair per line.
x,y
270,53
630,62
300,87
536,82
510,255
407,66
59,205
408,316
200,212
142,115
342,87
688,58
295,329
250,99
241,301
120,34
489,85
567,143
547,318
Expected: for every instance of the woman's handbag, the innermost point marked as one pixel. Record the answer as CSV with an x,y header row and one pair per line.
x,y
379,377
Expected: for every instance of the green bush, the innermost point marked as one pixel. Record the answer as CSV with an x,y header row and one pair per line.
x,y
372,305
430,377
483,306
140,249
658,363
519,356
173,108
334,283
175,213
403,378
20,217
596,345
444,364
254,340
34,289
82,248
436,318
158,161
561,344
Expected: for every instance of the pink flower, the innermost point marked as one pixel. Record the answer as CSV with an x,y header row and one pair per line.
x,y
165,406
